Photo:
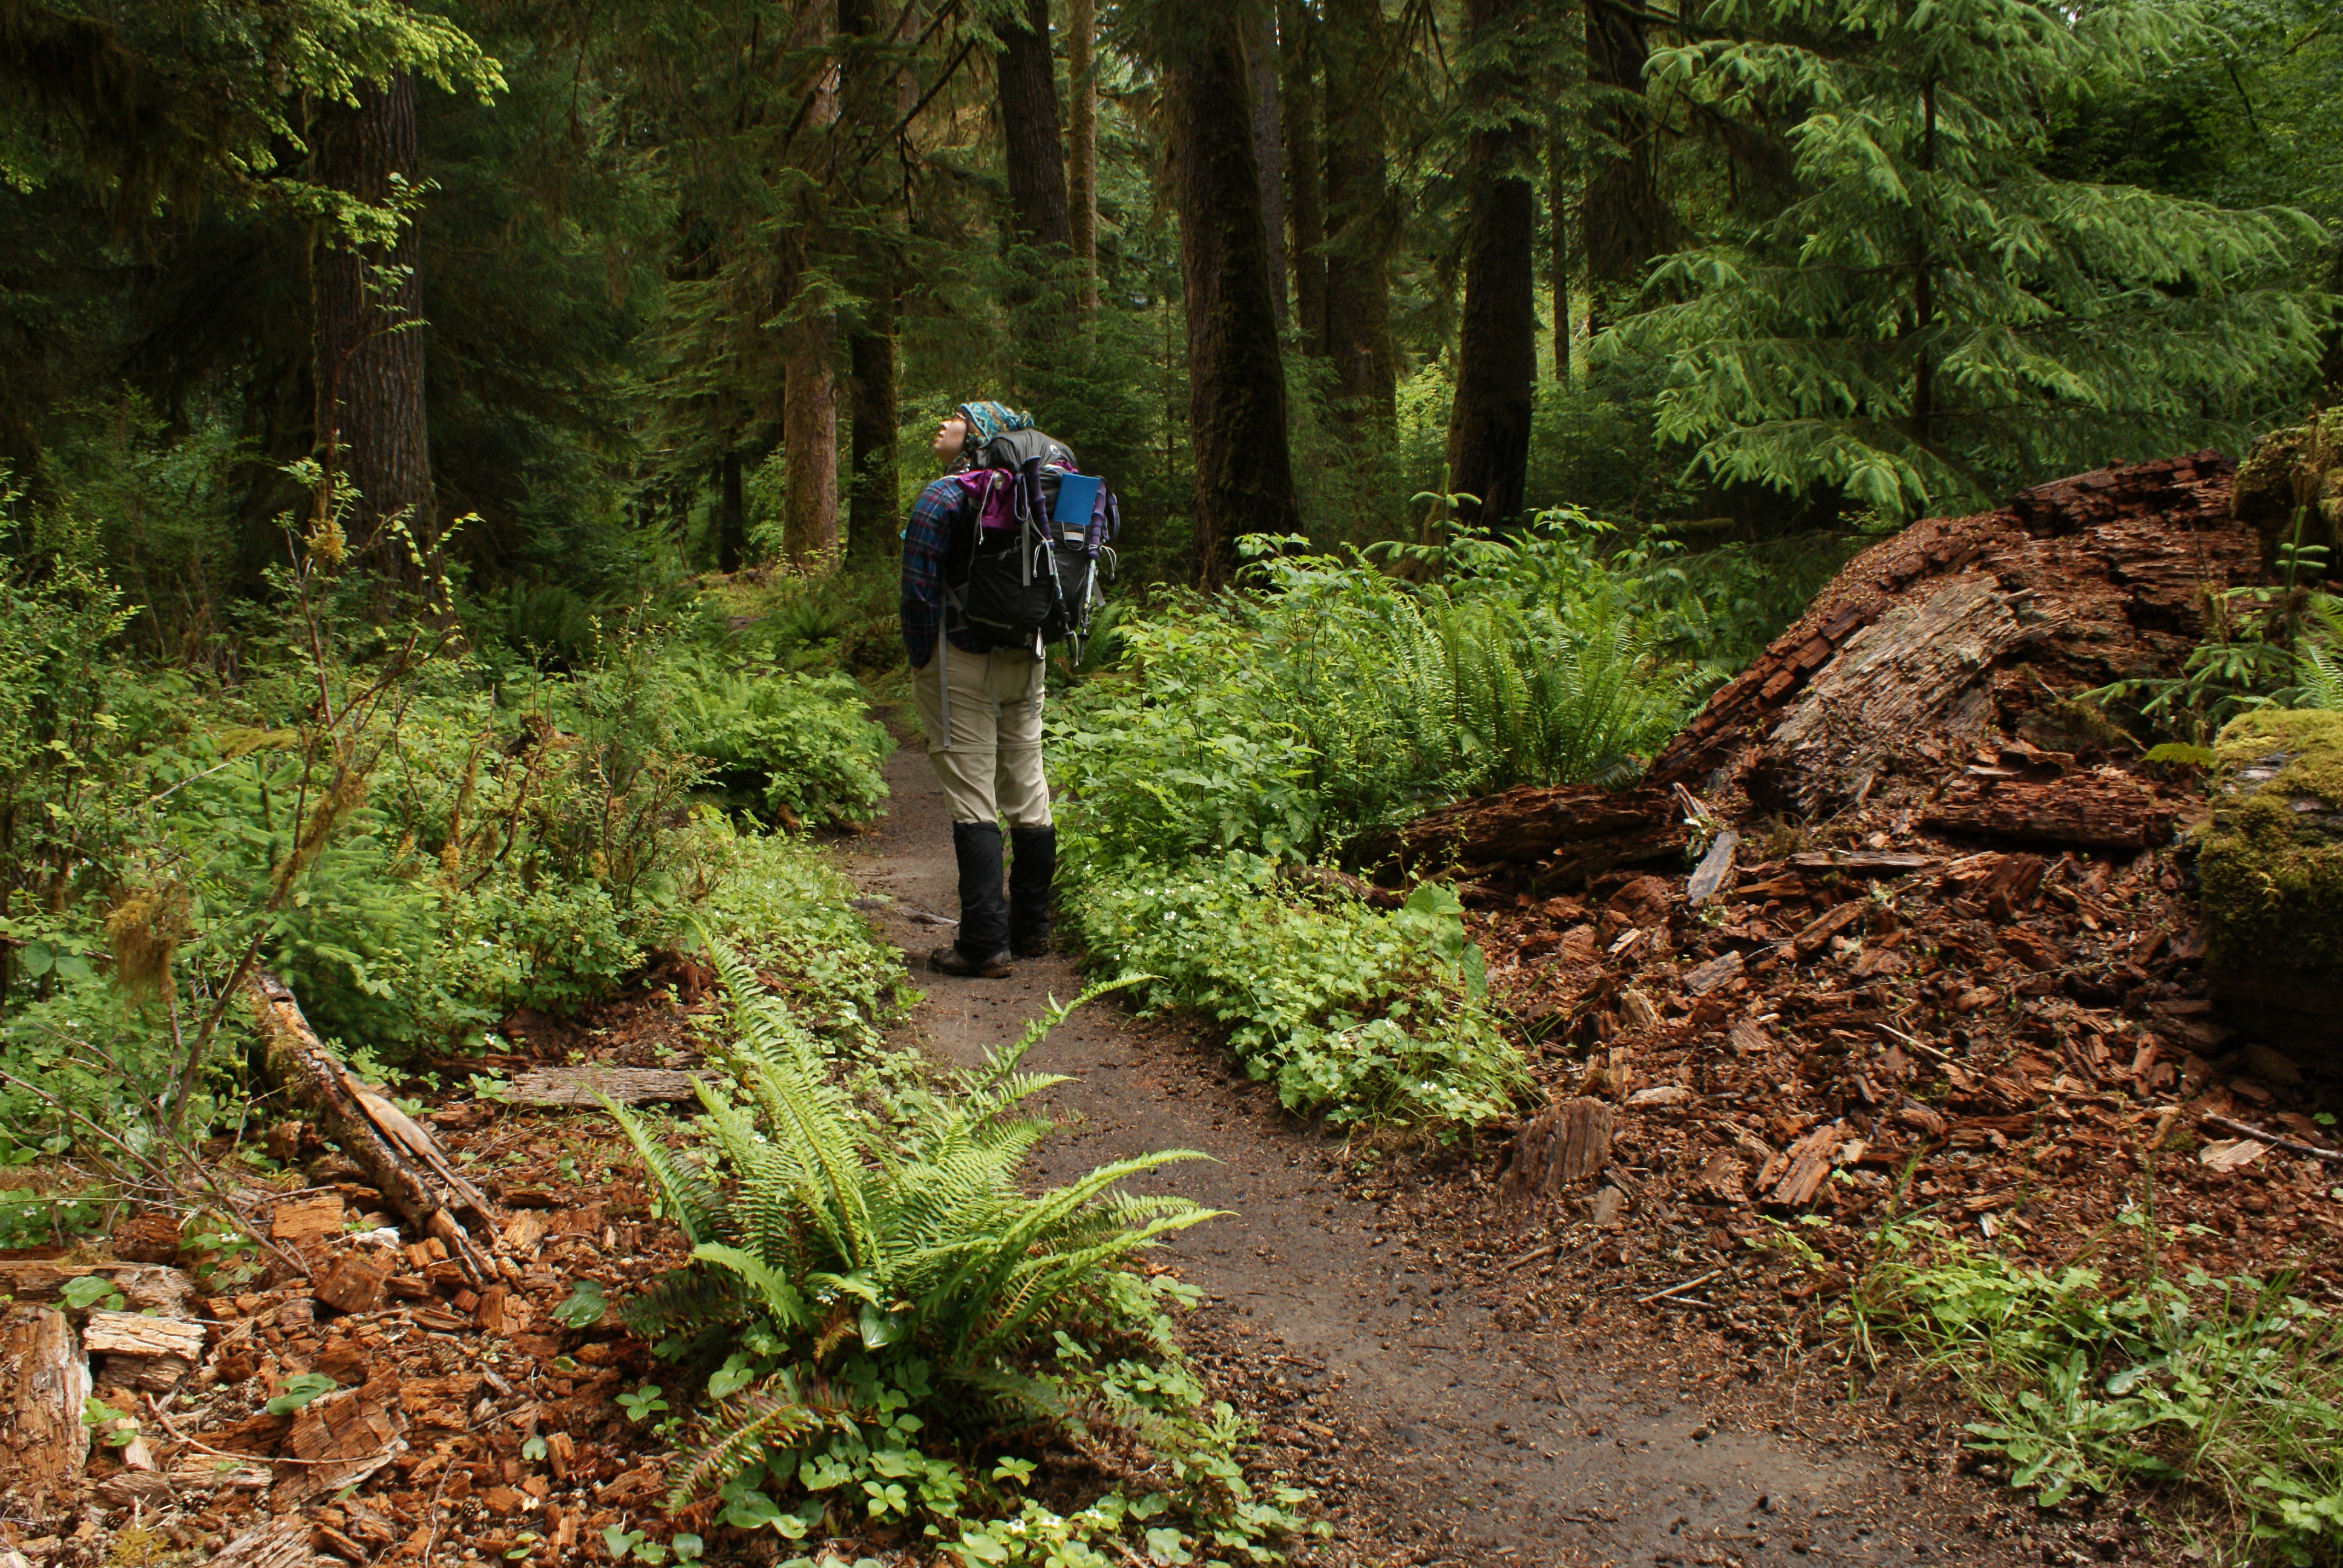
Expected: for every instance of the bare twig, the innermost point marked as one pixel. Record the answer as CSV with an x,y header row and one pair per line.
x,y
2291,1145
1677,1290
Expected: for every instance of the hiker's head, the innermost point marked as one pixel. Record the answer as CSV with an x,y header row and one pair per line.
x,y
971,425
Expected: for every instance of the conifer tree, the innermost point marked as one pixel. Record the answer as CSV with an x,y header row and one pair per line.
x,y
1931,316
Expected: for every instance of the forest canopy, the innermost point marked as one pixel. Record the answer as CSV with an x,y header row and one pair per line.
x,y
642,290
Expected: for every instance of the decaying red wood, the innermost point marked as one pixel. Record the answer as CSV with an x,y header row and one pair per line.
x,y
398,1156
1559,834
43,1381
2072,585
2096,810
1566,1142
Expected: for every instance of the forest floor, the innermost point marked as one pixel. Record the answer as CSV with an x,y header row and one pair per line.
x,y
1353,1309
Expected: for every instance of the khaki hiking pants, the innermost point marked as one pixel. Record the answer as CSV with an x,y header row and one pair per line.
x,y
990,764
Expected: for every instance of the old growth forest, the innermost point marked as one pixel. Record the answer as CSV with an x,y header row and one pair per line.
x,y
1699,902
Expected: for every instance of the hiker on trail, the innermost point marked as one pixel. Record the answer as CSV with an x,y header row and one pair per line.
x,y
979,705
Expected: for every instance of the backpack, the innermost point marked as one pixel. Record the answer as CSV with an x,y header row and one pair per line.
x,y
1024,569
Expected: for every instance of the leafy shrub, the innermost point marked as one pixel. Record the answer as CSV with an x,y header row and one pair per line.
x,y
879,1296
2228,1391
1356,1013
800,741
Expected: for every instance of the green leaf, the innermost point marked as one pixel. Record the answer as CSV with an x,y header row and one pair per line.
x,y
299,1390
583,1307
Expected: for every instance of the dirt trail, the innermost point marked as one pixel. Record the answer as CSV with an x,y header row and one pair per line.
x,y
1600,1445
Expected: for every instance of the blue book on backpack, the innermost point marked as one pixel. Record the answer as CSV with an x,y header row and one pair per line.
x,y
1077,498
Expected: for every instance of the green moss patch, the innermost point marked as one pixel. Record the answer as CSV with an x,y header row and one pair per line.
x,y
2272,865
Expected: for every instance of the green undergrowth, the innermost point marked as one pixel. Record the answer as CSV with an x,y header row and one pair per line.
x,y
889,1330
1224,738
2224,1394
1355,1014
417,833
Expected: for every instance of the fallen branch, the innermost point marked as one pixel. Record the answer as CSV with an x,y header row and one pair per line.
x,y
399,1158
1677,1290
2278,1140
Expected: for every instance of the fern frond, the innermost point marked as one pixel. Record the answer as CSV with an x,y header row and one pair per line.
x,y
738,1435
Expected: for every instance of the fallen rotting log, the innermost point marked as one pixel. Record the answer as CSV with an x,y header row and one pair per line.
x,y
1542,839
585,1088
1935,650
397,1156
44,1379
2107,810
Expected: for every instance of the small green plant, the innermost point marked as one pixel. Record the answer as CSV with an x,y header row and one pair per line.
x,y
112,1427
92,1291
299,1390
642,1402
583,1307
2229,1392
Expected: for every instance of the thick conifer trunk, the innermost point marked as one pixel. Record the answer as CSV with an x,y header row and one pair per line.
x,y
1496,360
1625,223
871,533
1081,153
1035,152
1557,217
1244,477
370,419
731,514
1359,218
1269,149
1304,163
871,475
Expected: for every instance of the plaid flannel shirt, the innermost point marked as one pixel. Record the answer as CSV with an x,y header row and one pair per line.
x,y
925,535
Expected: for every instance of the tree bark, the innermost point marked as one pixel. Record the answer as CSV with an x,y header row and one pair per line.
x,y
1625,223
1269,148
1082,154
1557,217
1496,360
1359,216
370,417
1035,152
870,533
810,446
1237,427
1304,160
731,514
872,478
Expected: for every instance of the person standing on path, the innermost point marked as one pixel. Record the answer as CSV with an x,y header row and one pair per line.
x,y
988,761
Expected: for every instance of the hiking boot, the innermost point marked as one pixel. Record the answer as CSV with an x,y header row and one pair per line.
x,y
1031,869
982,948
949,960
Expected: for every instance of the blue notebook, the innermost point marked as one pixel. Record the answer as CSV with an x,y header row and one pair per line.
x,y
1077,498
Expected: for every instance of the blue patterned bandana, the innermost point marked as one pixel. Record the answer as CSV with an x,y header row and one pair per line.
x,y
985,420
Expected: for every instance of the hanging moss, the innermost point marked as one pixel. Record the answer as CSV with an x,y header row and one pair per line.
x,y
2272,864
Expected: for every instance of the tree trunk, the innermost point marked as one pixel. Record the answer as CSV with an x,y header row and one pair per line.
x,y
1304,160
809,447
370,417
1245,477
1269,148
871,475
731,514
870,533
1081,156
1625,222
1035,152
1557,217
1359,218
1496,357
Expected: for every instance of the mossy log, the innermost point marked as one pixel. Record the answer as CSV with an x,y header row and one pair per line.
x,y
2271,874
